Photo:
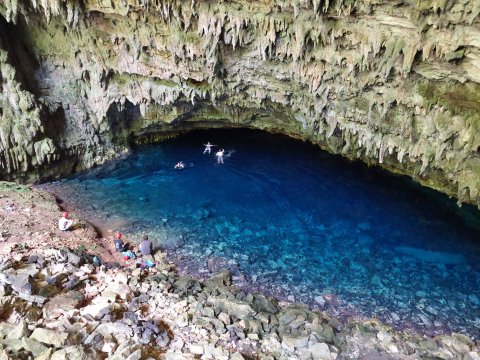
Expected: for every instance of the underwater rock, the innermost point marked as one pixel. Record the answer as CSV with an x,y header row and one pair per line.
x,y
172,243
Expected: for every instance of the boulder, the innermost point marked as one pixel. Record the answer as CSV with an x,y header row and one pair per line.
x,y
34,346
196,349
45,355
33,298
321,351
100,308
121,277
295,341
122,290
323,332
472,355
115,329
72,282
262,304
20,282
76,352
62,303
183,283
51,337
224,318
236,308
74,259
12,344
13,331
5,329
223,278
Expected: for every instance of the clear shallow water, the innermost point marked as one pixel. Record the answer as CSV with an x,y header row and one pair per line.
x,y
296,223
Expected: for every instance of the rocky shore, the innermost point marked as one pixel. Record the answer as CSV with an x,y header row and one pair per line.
x,y
57,303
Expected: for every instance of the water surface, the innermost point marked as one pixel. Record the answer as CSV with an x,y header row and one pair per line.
x,y
297,223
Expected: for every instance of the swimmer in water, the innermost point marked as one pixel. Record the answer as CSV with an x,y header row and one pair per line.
x,y
219,156
180,165
208,148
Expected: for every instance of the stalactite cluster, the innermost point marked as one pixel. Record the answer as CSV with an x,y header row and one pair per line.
x,y
395,83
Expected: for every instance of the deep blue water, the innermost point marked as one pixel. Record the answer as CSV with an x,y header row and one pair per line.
x,y
297,223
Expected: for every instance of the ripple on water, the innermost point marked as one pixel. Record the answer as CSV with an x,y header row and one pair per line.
x,y
296,223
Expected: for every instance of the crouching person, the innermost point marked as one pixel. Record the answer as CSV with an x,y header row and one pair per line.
x,y
146,246
120,246
65,223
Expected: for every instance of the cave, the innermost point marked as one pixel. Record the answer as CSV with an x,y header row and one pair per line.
x,y
381,87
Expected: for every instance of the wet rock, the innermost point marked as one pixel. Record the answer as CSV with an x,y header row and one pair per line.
x,y
320,301
172,243
219,264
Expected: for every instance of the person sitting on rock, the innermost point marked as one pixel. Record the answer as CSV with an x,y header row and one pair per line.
x,y
146,246
180,165
65,223
120,246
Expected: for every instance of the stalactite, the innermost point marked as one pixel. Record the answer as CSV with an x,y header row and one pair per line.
x,y
342,69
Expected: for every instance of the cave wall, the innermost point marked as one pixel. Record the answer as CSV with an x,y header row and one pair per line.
x,y
390,82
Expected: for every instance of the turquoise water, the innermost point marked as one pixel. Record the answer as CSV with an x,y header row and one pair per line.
x,y
297,223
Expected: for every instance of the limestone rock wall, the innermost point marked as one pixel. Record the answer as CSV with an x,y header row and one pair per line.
x,y
395,83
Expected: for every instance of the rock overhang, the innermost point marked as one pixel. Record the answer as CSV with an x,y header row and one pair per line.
x,y
393,84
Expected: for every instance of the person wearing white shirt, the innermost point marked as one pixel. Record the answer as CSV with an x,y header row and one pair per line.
x,y
219,156
208,148
65,223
